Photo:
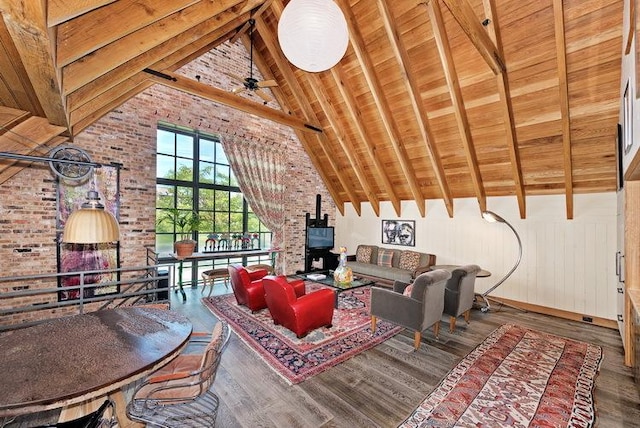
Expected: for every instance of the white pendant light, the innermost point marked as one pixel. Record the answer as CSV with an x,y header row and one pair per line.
x,y
313,34
91,224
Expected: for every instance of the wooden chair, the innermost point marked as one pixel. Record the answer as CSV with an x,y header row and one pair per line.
x,y
270,270
179,394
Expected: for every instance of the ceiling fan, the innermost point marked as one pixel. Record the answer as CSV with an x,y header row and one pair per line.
x,y
250,83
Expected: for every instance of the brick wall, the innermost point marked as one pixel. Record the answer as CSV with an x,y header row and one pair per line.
x,y
127,135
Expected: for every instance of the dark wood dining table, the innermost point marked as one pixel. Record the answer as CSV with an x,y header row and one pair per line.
x,y
75,363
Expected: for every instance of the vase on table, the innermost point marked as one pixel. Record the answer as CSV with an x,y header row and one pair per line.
x,y
343,273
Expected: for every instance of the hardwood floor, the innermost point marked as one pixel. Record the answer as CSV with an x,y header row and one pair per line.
x,y
382,386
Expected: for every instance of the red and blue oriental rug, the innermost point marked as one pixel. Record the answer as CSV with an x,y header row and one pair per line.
x,y
298,359
516,378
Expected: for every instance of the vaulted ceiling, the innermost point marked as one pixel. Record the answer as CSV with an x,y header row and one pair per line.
x,y
434,100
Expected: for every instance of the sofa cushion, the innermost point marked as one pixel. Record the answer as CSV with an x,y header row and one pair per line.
x,y
388,274
363,254
409,260
385,257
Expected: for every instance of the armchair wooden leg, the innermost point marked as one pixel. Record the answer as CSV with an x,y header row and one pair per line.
x,y
466,315
373,324
417,338
452,324
436,330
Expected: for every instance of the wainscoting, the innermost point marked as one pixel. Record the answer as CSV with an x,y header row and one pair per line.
x,y
567,265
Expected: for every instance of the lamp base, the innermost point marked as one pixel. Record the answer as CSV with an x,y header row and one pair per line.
x,y
487,306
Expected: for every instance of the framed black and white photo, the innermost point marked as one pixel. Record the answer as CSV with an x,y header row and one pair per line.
x,y
399,232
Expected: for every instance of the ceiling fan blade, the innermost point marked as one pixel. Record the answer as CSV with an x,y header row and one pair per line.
x,y
238,89
262,94
235,76
267,84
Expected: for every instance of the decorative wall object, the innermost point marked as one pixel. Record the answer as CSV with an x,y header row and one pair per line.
x,y
399,232
88,257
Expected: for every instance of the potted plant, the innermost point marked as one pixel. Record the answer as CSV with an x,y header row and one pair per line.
x,y
185,223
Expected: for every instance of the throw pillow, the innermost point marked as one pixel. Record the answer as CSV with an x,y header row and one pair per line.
x,y
385,258
409,260
407,291
363,254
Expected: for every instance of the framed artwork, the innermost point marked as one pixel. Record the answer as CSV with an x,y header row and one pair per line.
x,y
399,232
104,258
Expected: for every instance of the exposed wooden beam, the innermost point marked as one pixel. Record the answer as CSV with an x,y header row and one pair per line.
x,y
15,88
81,36
26,23
378,170
160,58
451,76
561,54
323,98
298,93
59,11
110,57
507,111
196,88
463,13
419,111
138,84
386,115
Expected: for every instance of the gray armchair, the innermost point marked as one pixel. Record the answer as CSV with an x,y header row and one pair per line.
x,y
419,310
459,293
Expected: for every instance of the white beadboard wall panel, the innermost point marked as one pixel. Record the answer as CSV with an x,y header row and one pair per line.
x,y
566,264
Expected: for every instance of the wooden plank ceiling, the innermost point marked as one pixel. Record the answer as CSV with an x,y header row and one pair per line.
x,y
434,100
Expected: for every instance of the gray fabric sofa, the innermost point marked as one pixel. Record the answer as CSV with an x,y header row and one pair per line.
x,y
405,264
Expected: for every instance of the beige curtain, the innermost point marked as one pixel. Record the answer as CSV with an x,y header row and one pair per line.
x,y
260,170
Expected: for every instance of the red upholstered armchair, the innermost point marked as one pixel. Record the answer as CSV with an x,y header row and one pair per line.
x,y
299,314
248,289
247,286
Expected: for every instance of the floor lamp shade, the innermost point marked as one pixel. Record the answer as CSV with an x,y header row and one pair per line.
x,y
313,34
91,224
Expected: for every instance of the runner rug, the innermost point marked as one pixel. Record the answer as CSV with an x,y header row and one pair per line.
x,y
516,378
298,359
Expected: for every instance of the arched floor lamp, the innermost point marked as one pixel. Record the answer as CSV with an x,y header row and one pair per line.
x,y
492,217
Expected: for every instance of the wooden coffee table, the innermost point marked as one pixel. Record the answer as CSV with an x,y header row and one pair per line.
x,y
338,288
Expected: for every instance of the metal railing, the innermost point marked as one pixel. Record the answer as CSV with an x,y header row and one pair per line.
x,y
30,299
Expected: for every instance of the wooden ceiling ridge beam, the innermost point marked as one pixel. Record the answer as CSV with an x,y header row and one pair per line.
x,y
561,53
111,56
467,19
26,24
298,93
245,27
451,76
417,104
159,58
210,93
323,98
507,111
375,87
340,78
98,28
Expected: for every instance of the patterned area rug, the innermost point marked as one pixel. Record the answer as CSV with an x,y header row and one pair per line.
x,y
516,378
298,359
